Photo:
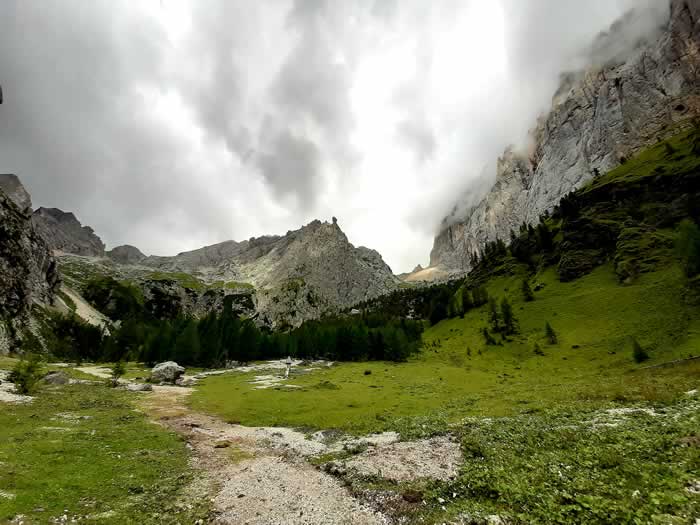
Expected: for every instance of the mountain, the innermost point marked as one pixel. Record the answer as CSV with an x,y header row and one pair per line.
x,y
281,280
599,118
64,233
126,254
28,272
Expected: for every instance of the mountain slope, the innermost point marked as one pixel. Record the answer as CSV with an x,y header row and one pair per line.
x,y
599,118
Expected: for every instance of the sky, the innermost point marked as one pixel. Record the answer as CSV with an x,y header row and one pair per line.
x,y
173,124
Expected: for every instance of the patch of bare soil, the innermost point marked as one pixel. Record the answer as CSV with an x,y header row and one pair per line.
x,y
258,476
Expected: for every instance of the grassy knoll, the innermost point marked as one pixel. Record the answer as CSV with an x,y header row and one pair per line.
x,y
85,450
457,374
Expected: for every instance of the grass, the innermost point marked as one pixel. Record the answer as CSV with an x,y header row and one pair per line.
x,y
85,450
457,375
654,161
183,279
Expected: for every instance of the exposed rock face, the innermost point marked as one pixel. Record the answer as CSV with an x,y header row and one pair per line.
x,y
126,254
14,189
63,232
598,118
28,273
298,276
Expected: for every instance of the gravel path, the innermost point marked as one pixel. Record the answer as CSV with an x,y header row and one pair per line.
x,y
259,475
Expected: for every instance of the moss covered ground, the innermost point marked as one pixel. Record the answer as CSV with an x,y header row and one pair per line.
x,y
84,452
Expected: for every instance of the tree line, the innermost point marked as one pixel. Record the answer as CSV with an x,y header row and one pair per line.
x,y
219,338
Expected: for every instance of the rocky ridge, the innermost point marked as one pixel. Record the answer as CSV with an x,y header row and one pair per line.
x,y
64,233
281,280
598,119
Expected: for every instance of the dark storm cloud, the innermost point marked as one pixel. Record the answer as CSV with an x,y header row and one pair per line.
x,y
77,124
292,166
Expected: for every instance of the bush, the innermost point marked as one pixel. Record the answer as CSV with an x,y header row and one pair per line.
x,y
638,353
527,291
118,370
26,374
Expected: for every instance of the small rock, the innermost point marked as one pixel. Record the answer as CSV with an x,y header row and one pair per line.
x,y
222,444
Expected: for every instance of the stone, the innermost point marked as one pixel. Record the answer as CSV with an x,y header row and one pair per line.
x,y
57,378
138,387
167,372
598,117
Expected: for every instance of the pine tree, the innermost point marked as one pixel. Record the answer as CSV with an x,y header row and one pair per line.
x,y
527,291
638,353
507,316
550,333
493,315
688,247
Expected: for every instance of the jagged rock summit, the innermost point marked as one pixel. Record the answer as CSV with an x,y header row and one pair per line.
x,y
599,117
64,233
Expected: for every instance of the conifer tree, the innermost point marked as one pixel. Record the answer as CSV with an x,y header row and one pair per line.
x,y
550,333
527,291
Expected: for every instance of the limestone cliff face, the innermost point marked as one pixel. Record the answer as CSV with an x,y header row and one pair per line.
x,y
64,233
598,118
28,273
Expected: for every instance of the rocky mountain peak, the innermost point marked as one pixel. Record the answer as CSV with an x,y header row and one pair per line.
x,y
126,254
63,232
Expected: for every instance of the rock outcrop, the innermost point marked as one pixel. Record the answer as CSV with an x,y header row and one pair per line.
x,y
14,189
28,272
598,119
64,233
126,254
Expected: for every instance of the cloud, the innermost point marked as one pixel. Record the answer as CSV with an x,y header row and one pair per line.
x,y
170,124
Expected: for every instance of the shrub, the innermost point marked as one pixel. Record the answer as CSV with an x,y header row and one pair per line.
x,y
118,370
527,291
638,353
26,374
538,349
368,372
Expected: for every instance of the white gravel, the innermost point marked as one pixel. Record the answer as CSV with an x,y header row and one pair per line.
x,y
8,393
435,458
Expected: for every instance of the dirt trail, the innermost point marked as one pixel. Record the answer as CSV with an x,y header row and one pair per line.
x,y
259,475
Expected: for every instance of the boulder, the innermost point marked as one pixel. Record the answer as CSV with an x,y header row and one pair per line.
x,y
56,378
167,372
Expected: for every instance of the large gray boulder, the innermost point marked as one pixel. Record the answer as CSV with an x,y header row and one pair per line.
x,y
598,118
167,372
